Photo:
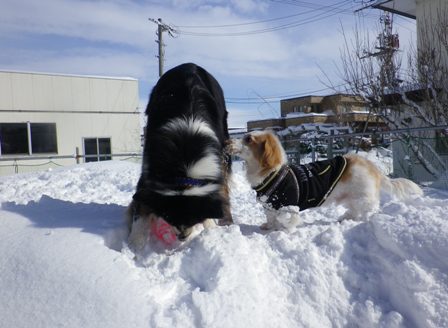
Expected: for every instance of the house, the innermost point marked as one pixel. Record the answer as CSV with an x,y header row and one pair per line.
x,y
49,120
336,109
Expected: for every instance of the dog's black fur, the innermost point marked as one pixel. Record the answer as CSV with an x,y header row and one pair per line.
x,y
186,91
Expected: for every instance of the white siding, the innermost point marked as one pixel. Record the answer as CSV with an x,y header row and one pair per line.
x,y
22,91
41,91
107,109
5,91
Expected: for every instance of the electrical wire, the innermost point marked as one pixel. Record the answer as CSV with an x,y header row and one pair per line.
x,y
276,98
260,31
328,11
260,21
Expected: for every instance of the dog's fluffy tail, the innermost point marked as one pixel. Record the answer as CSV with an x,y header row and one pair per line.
x,y
401,188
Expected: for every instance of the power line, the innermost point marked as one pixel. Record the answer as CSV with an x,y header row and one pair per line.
x,y
260,21
328,11
260,31
275,99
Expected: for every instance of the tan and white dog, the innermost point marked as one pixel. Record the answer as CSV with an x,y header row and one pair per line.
x,y
350,180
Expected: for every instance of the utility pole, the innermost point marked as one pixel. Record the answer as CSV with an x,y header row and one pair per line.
x,y
162,27
388,44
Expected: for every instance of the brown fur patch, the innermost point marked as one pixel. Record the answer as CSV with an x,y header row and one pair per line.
x,y
355,160
266,150
346,176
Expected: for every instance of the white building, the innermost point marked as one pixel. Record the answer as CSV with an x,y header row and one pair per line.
x,y
432,44
48,119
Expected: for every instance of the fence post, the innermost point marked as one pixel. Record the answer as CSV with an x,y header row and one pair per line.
x,y
346,145
410,170
330,145
77,155
313,150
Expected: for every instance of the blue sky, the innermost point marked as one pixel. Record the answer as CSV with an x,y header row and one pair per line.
x,y
259,50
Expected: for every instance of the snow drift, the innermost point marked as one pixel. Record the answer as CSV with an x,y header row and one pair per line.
x,y
65,263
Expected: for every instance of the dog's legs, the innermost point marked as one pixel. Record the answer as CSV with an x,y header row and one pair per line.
x,y
283,218
361,206
271,217
358,191
130,211
227,217
138,227
139,234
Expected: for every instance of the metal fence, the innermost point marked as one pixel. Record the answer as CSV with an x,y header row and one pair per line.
x,y
407,146
20,164
417,152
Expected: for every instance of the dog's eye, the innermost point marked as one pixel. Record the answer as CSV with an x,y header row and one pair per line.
x,y
247,139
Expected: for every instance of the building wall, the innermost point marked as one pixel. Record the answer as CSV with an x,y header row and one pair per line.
x,y
38,91
311,104
296,121
354,119
342,104
345,108
432,15
338,103
81,107
278,123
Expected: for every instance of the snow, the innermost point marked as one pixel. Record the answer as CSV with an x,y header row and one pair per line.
x,y
302,114
65,262
314,129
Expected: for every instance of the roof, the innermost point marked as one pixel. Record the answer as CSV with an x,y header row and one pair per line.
x,y
405,8
70,75
302,97
321,98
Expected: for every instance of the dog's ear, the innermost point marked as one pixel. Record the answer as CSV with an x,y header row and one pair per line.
x,y
271,152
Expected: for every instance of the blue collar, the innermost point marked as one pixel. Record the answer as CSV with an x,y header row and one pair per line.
x,y
190,182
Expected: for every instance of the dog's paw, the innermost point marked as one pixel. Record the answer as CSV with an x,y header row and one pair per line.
x,y
288,217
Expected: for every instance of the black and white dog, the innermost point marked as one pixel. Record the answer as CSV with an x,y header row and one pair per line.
x,y
185,169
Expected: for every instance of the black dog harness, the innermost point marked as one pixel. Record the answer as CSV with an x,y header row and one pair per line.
x,y
304,186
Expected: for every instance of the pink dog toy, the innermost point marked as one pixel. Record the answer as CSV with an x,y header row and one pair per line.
x,y
163,231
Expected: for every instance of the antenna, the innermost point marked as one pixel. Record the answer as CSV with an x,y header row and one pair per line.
x,y
387,45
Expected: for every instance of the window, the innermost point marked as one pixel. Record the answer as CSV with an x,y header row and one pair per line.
x,y
14,138
43,138
104,148
97,149
28,138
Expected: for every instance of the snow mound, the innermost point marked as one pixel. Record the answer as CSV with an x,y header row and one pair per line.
x,y
65,262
